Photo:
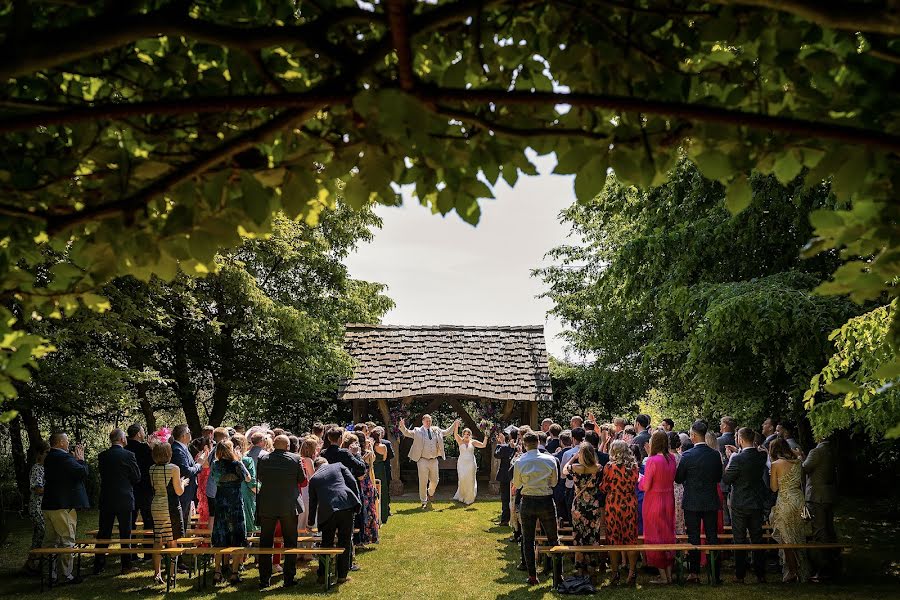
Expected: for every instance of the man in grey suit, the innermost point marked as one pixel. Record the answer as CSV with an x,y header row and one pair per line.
x,y
279,475
821,493
427,447
744,474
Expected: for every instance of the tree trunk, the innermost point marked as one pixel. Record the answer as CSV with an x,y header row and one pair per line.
x,y
223,381
20,461
184,387
146,407
31,426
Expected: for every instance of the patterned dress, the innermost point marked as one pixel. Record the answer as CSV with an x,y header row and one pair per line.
x,y
587,515
619,484
679,501
367,518
248,495
35,481
168,524
787,524
202,502
228,527
658,485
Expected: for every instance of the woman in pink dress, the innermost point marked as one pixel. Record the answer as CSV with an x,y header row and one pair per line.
x,y
658,485
198,446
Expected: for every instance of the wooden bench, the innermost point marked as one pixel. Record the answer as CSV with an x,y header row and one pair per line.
x,y
50,553
557,552
326,553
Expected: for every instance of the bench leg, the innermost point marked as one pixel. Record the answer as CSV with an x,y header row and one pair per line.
x,y
327,572
711,563
679,564
557,569
41,571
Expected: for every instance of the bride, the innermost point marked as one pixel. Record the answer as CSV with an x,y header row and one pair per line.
x,y
466,468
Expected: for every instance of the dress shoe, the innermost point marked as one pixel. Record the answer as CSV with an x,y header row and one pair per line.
x,y
343,580
289,583
354,567
521,567
264,583
503,523
532,581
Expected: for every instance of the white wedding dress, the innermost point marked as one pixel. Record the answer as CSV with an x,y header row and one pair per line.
x,y
466,469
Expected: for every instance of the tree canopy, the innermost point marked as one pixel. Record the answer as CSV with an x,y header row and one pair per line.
x,y
141,137
712,312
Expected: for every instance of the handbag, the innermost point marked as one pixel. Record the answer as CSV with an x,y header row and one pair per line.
x,y
576,585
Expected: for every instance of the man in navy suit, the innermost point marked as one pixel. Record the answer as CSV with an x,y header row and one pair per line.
x,y
64,493
505,452
700,470
181,458
744,474
119,472
333,502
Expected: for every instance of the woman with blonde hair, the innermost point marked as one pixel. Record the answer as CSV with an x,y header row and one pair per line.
x,y
619,483
587,512
308,450
168,485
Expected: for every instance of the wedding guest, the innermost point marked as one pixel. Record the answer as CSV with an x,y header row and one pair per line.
x,y
308,450
553,440
678,488
821,494
293,444
578,435
504,452
535,474
202,503
220,434
545,425
788,433
606,437
257,446
367,518
563,510
119,472
786,478
187,467
207,432
167,485
700,470
38,452
381,468
333,502
686,443
619,427
576,422
668,425
333,453
280,475
249,488
619,482
658,485
64,494
641,427
587,513
769,427
727,426
143,490
744,474
229,529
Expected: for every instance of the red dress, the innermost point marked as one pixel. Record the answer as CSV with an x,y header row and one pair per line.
x,y
658,486
619,484
202,504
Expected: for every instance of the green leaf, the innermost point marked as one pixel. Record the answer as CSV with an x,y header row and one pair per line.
x,y
300,187
572,160
468,209
714,165
787,167
356,193
842,386
851,175
95,302
738,195
255,199
591,178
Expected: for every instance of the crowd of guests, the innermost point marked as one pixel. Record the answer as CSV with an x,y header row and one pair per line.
x,y
613,482
230,481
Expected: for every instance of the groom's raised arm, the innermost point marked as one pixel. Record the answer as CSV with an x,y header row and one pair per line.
x,y
406,432
453,427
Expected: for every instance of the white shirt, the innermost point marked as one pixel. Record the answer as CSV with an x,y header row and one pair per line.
x,y
535,473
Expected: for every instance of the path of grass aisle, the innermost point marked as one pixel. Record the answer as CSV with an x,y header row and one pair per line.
x,y
448,552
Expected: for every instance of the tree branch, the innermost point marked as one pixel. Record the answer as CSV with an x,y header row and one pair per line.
x,y
398,22
517,132
844,16
51,48
137,201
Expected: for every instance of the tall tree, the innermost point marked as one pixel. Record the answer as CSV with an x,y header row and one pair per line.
x,y
712,310
145,135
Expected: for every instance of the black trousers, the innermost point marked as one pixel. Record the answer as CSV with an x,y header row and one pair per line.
x,y
142,507
340,524
534,509
825,562
692,520
267,540
104,532
742,521
504,501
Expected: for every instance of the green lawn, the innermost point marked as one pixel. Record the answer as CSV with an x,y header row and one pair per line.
x,y
458,552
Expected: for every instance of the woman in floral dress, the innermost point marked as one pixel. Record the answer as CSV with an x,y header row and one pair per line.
x,y
36,485
786,478
620,478
587,513
675,447
367,517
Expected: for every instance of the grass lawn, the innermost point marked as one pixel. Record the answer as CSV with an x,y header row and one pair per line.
x,y
454,551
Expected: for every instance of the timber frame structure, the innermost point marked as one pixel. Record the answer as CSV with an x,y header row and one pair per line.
x,y
446,365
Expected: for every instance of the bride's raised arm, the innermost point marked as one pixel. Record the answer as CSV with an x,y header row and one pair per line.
x,y
481,444
456,435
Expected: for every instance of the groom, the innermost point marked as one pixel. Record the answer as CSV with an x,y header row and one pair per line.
x,y
427,447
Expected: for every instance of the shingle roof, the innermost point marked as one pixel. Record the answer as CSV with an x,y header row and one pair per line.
x,y
492,363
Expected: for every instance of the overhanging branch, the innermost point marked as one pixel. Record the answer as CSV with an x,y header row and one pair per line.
x,y
845,16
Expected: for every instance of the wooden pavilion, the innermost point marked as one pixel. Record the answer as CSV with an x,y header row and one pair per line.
x,y
446,364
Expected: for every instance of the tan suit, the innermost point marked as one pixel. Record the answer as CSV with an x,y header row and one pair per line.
x,y
427,448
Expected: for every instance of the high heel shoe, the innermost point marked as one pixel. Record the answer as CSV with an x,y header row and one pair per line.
x,y
790,578
217,578
158,579
615,579
632,579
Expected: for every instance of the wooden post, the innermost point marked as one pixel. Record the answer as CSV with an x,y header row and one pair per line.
x,y
495,464
360,410
533,414
396,485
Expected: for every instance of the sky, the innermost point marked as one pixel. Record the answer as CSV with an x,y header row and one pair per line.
x,y
442,271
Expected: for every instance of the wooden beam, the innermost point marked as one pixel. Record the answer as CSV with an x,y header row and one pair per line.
x,y
360,410
533,414
508,410
466,417
388,431
430,408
